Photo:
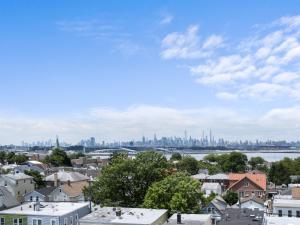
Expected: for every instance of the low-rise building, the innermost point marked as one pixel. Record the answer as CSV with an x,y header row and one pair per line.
x,y
275,220
252,202
216,208
7,200
40,195
70,191
248,184
50,213
190,219
209,188
18,184
62,177
125,216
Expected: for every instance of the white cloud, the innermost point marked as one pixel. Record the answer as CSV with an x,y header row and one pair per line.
x,y
226,96
131,123
166,19
213,41
263,66
187,45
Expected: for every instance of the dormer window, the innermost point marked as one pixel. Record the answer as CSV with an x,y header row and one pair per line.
x,y
246,184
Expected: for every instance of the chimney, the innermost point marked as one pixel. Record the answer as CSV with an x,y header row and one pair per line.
x,y
178,218
69,183
296,192
55,180
118,212
37,206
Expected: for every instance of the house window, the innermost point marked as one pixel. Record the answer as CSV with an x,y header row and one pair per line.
x,y
2,221
280,213
246,184
241,194
15,221
36,222
65,221
37,198
209,210
53,222
20,221
289,213
24,181
76,217
31,198
71,220
298,213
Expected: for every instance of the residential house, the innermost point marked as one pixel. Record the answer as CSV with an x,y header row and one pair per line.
x,y
216,208
219,178
125,216
248,184
40,195
252,202
209,188
18,184
189,219
286,205
62,177
70,191
7,200
50,213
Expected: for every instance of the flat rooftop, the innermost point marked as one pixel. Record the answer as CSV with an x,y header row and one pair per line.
x,y
190,219
280,202
275,220
107,215
46,208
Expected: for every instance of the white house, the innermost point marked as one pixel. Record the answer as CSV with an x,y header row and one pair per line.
x,y
252,202
125,216
50,213
209,188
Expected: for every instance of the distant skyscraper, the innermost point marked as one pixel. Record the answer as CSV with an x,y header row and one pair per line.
x,y
57,142
93,142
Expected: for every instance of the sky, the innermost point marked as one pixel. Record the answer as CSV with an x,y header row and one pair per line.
x,y
120,70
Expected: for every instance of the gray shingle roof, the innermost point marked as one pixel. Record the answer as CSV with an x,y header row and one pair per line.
x,y
8,199
46,191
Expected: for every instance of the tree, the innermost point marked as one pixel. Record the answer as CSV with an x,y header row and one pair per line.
x,y
233,162
117,156
231,197
258,163
58,157
76,155
281,171
2,157
10,157
19,159
177,193
124,182
176,156
38,179
188,164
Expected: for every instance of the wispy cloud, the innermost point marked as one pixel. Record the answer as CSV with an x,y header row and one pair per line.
x,y
167,18
187,45
263,66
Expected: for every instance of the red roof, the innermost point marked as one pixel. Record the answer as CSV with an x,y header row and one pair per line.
x,y
259,179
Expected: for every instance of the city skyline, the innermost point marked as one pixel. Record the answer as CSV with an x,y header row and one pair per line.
x,y
78,69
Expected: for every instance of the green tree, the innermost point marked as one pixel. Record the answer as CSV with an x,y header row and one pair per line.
x,y
233,162
188,164
76,155
176,156
58,157
37,177
2,157
211,167
177,193
231,197
10,157
118,156
281,171
19,159
125,181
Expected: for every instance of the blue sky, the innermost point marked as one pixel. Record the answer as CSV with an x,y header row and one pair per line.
x,y
118,70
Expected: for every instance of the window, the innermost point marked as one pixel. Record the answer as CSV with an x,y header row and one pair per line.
x,y
65,221
37,198
246,184
24,181
53,222
241,194
71,220
31,198
209,210
280,213
17,182
289,213
76,217
36,222
17,221
298,213
2,221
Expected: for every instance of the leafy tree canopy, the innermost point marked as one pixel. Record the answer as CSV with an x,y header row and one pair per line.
x,y
125,181
176,156
177,193
188,164
231,197
37,177
58,157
